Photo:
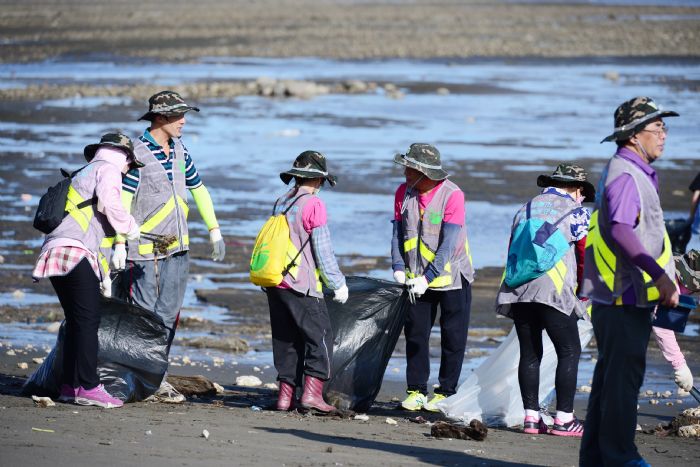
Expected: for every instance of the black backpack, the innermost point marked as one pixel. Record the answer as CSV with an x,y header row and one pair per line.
x,y
52,205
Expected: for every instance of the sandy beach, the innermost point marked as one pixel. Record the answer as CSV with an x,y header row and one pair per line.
x,y
43,106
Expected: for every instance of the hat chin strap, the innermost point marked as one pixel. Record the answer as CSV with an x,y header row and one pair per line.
x,y
647,158
405,195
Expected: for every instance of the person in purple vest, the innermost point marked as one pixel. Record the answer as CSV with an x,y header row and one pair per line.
x,y
628,271
70,258
430,254
302,338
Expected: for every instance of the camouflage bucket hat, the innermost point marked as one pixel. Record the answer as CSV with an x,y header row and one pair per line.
x,y
167,103
115,140
309,164
569,174
688,269
634,114
424,158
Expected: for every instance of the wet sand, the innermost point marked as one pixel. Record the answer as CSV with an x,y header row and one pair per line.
x,y
177,30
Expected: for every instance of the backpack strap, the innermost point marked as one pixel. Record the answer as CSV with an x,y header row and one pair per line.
x,y
292,263
87,202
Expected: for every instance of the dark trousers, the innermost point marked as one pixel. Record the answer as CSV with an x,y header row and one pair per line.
x,y
454,325
302,338
79,294
530,320
622,336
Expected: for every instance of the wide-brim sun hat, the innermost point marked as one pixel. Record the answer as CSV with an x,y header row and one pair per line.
x,y
633,114
114,140
309,164
168,104
424,158
569,174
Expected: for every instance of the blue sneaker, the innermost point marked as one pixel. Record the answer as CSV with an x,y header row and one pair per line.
x,y
637,463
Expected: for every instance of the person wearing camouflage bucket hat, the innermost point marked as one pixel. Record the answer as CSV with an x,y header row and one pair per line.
x,y
430,255
628,271
631,116
302,336
155,268
424,158
538,292
566,175
115,140
167,104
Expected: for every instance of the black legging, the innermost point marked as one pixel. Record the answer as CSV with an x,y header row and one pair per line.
x,y
530,320
79,294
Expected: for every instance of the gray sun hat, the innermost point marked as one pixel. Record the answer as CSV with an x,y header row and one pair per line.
x,y
115,140
633,115
168,104
424,158
569,174
309,164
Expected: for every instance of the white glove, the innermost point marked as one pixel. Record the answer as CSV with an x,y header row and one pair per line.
x,y
683,378
106,286
119,256
218,247
341,294
417,286
400,277
133,234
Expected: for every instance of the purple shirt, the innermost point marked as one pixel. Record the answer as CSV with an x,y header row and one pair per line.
x,y
622,194
624,206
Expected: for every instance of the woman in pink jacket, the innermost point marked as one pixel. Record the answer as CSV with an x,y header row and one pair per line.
x,y
71,259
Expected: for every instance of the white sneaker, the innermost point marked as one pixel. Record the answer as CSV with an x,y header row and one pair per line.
x,y
168,394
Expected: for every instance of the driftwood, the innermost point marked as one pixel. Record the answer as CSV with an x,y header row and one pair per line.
x,y
475,430
192,385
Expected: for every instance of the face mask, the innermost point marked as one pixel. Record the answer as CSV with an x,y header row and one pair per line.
x,y
579,199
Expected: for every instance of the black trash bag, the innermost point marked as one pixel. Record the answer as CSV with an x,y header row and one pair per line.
x,y
132,356
679,233
365,331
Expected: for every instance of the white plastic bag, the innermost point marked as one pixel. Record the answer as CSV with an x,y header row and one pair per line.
x,y
491,393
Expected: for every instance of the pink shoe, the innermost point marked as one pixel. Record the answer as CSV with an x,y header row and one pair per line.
x,y
97,396
574,428
67,393
533,426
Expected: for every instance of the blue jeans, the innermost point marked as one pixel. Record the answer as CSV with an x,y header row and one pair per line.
x,y
161,291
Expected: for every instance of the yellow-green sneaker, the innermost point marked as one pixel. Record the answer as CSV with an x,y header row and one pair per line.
x,y
431,406
415,401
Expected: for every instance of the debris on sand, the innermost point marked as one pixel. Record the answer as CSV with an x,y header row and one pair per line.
x,y
248,381
192,385
475,430
205,434
686,425
43,401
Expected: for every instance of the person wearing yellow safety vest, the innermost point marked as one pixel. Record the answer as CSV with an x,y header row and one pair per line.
x,y
430,254
628,270
549,302
70,257
302,337
156,195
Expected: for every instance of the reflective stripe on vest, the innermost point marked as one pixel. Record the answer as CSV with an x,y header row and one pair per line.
x,y
608,274
159,204
606,261
556,288
418,253
82,216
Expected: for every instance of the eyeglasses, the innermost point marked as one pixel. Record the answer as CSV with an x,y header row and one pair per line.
x,y
663,129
